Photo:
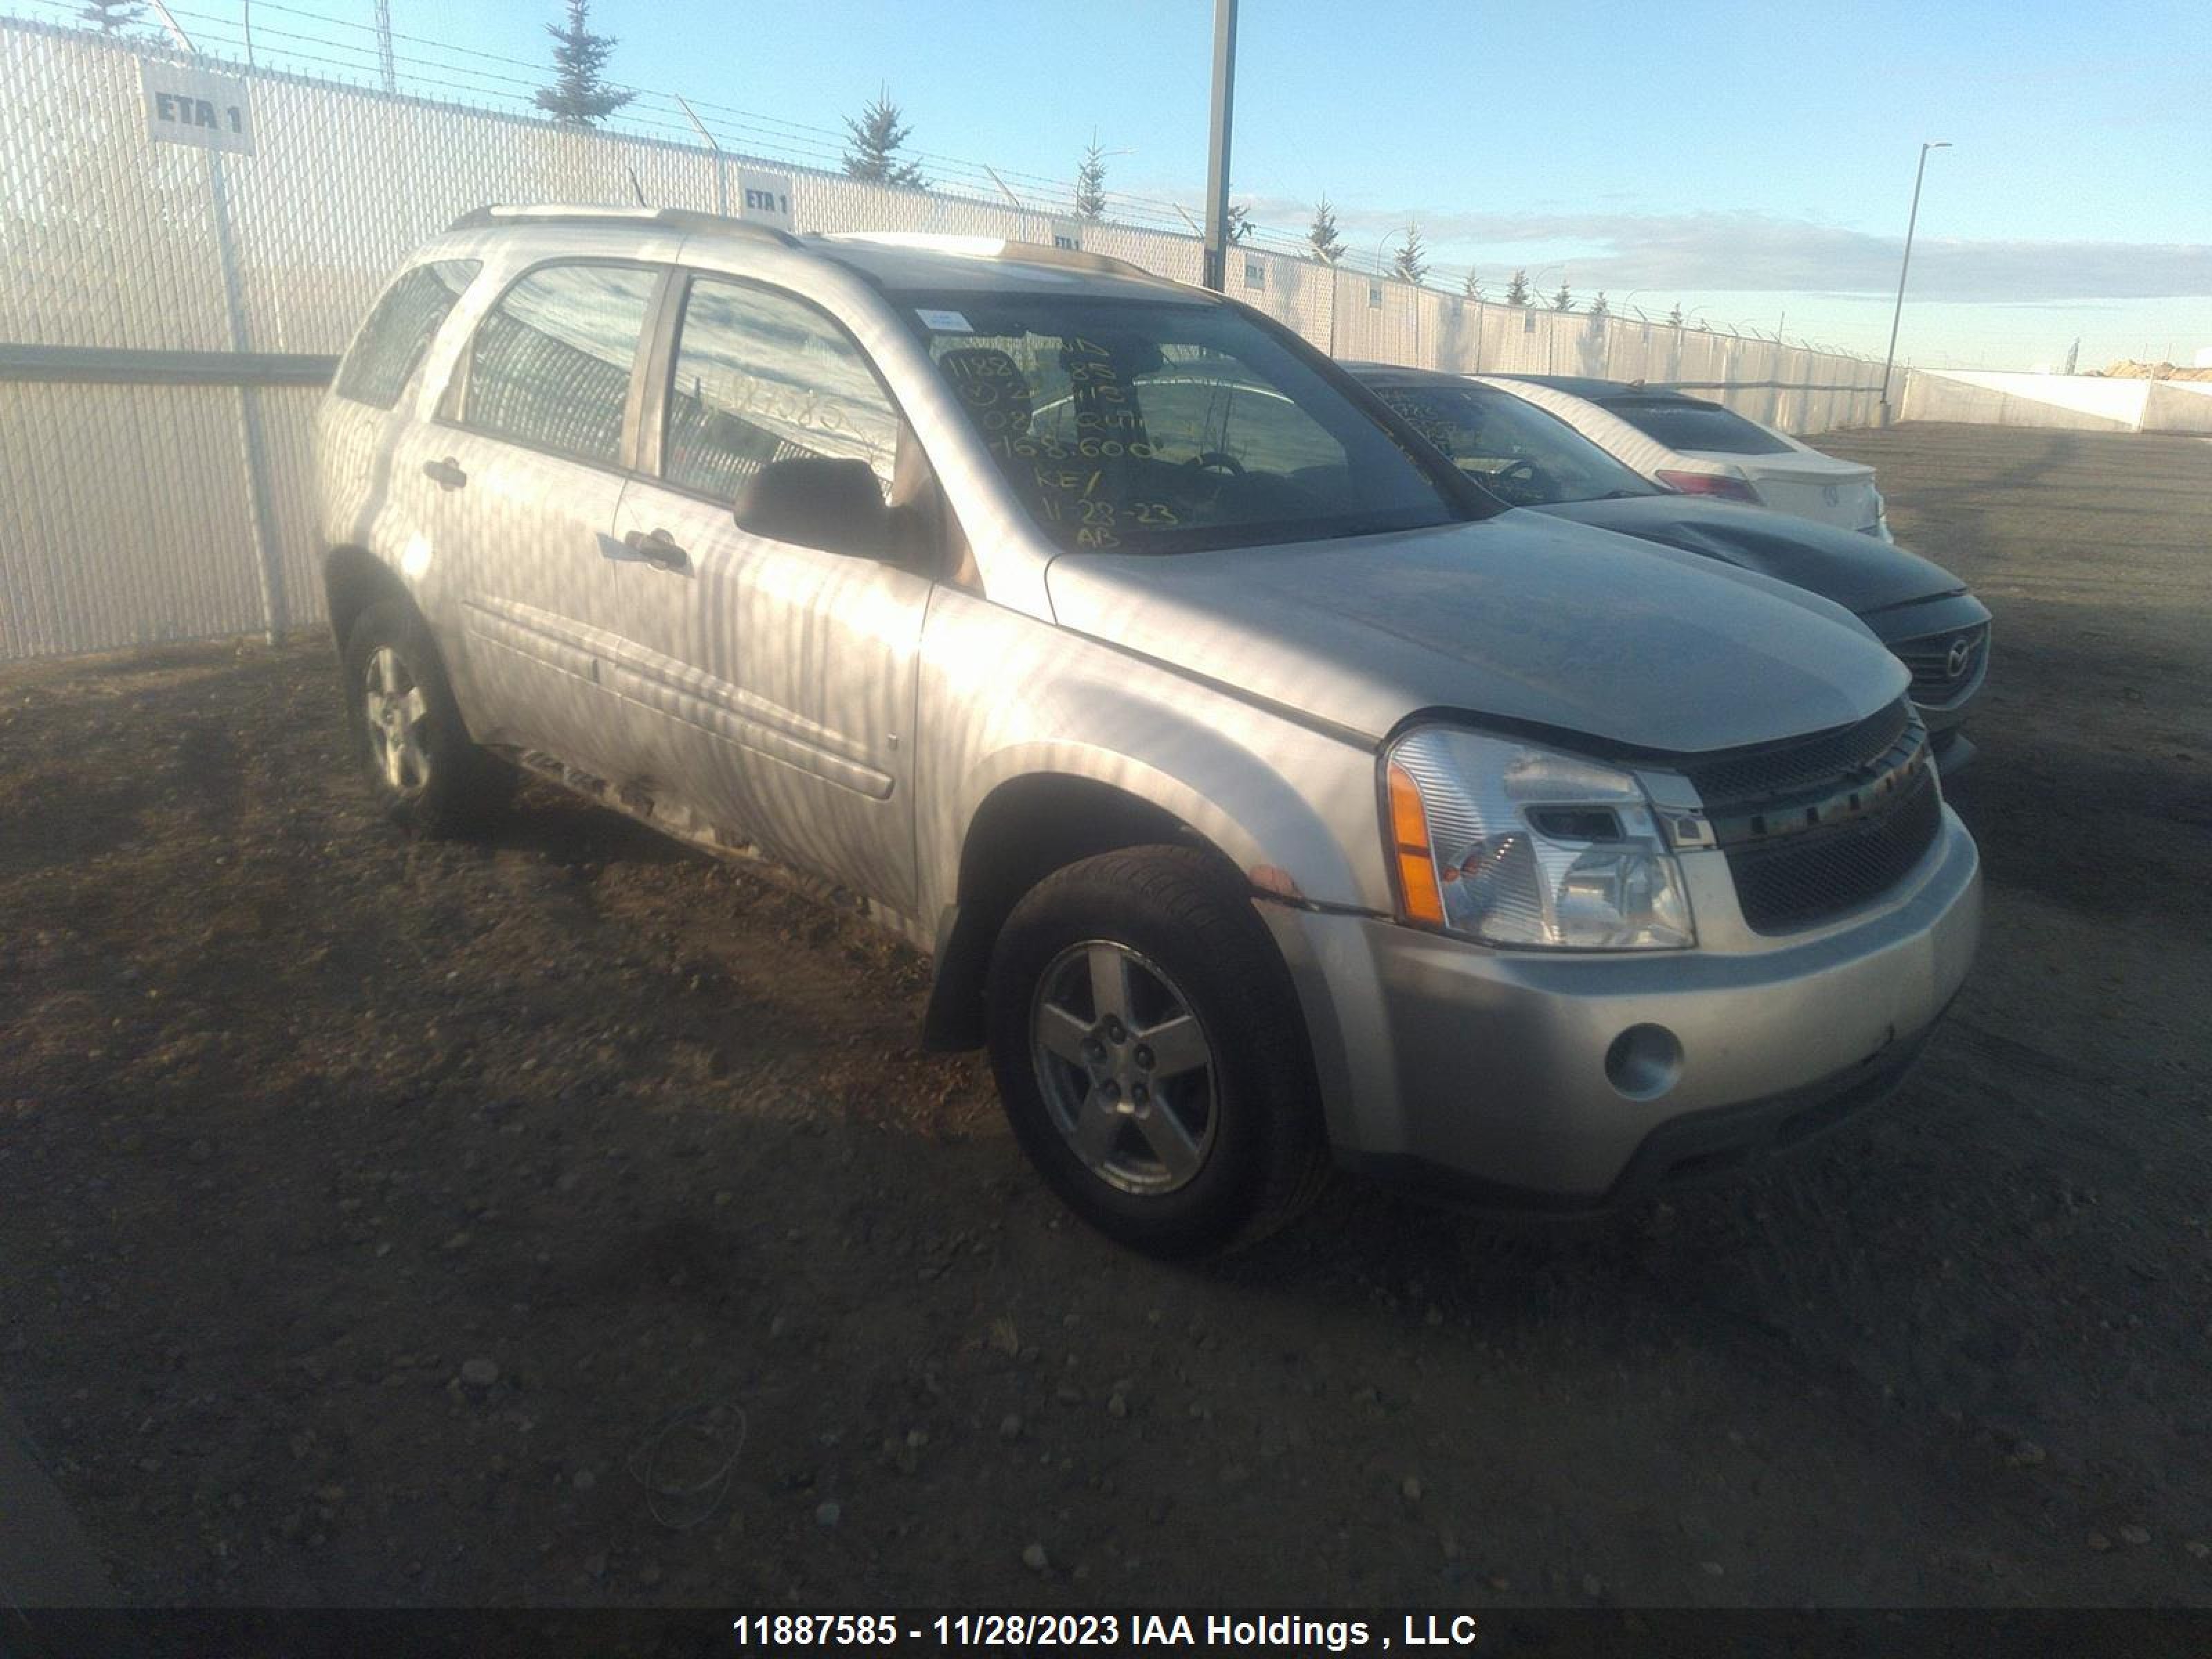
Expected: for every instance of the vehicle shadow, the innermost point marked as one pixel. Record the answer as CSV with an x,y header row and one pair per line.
x,y
1858,1262
566,830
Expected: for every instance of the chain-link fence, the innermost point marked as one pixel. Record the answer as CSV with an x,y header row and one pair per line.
x,y
167,311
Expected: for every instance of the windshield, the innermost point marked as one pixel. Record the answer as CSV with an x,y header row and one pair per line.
x,y
1694,426
1512,448
1165,427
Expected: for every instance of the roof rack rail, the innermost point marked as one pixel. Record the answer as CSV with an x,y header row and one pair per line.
x,y
585,213
1000,247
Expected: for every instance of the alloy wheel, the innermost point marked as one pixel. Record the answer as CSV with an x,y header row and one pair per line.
x,y
394,710
1125,1066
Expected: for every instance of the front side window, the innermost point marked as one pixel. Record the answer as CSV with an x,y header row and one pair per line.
x,y
1692,426
1515,450
399,330
1165,426
550,367
761,377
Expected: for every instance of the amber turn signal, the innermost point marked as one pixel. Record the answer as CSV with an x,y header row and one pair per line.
x,y
1417,891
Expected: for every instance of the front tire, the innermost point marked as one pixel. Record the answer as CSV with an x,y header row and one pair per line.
x,y
407,732
1150,1055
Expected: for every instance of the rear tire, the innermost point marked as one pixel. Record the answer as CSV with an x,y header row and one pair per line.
x,y
407,732
1150,1055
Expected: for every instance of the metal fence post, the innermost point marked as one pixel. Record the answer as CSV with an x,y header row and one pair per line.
x,y
722,191
268,564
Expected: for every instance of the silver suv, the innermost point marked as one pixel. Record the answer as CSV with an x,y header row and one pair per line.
x,y
1265,792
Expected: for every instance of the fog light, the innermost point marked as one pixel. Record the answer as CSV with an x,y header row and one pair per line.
x,y
1644,1061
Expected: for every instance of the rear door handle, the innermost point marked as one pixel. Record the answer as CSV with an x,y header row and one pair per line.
x,y
659,548
446,474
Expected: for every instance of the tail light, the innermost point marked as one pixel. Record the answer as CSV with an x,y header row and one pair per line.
x,y
1710,484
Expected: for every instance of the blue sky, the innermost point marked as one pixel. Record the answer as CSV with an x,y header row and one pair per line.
x,y
1753,161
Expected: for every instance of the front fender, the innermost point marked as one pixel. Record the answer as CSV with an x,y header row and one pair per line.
x,y
1003,695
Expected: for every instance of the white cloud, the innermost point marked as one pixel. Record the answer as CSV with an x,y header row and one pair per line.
x,y
1711,253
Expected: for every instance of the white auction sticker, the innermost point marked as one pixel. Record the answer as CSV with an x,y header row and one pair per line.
x,y
945,322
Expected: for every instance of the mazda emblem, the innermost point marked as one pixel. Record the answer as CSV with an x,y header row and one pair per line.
x,y
1956,659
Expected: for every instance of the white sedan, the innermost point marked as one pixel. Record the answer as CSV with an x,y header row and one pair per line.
x,y
1701,448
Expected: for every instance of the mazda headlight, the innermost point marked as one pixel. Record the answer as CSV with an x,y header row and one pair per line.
x,y
1514,844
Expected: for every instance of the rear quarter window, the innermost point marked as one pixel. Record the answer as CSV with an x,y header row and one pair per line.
x,y
1697,427
399,330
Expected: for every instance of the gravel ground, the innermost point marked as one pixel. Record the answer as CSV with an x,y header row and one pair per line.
x,y
571,1219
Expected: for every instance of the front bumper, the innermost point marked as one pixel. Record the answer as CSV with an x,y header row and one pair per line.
x,y
1489,1069
1951,749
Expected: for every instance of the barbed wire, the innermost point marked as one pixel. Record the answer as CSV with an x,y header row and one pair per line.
x,y
779,137
750,134
773,137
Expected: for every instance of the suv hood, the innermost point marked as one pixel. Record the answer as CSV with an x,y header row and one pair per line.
x,y
1520,618
1855,570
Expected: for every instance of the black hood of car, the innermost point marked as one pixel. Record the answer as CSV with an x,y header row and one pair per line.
x,y
1855,571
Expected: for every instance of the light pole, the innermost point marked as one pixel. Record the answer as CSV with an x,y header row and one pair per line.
x,y
1912,221
1217,150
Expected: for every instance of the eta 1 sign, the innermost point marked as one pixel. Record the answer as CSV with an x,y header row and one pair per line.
x,y
192,107
765,198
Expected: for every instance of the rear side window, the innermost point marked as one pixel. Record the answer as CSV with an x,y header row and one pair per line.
x,y
1696,426
398,332
759,378
551,363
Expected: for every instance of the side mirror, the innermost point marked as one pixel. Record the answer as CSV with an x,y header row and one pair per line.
x,y
812,500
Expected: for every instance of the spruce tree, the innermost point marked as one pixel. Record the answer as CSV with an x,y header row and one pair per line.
x,y
1090,183
1410,262
1563,300
876,135
1598,307
1327,246
1471,288
581,95
112,17
1516,291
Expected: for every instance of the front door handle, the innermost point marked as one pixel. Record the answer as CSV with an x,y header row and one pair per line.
x,y
446,474
659,548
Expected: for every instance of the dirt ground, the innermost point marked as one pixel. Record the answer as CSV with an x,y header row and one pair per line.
x,y
385,1224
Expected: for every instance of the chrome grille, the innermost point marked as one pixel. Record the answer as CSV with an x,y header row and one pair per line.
x,y
1940,678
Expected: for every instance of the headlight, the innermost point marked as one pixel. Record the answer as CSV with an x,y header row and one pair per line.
x,y
1512,844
